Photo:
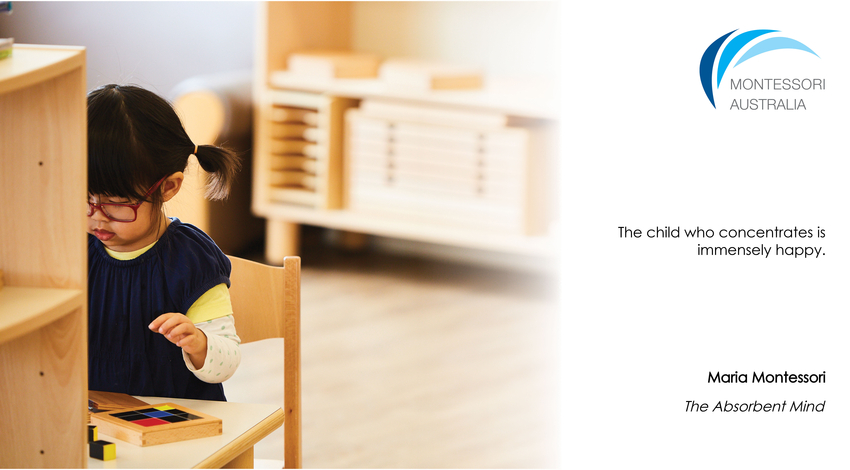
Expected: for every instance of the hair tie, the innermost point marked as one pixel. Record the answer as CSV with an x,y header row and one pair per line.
x,y
196,150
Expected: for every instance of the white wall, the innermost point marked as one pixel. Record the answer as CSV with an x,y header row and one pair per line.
x,y
518,38
158,44
151,44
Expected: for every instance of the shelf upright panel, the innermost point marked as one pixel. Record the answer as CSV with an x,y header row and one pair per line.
x,y
43,361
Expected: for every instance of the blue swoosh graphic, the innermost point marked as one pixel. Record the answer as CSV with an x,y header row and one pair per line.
x,y
734,46
772,44
706,66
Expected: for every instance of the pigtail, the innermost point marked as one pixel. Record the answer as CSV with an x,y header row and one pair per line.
x,y
136,138
221,165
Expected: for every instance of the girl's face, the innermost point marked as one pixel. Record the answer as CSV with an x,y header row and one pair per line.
x,y
126,236
148,226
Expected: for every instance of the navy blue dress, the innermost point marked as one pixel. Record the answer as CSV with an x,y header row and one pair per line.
x,y
126,296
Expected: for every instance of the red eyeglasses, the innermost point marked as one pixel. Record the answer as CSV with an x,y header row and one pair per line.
x,y
119,212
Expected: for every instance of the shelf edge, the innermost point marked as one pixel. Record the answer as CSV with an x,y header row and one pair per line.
x,y
67,300
75,59
341,219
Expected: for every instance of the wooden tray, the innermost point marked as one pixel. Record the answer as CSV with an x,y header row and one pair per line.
x,y
156,424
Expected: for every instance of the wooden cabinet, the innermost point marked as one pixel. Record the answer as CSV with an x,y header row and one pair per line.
x,y
394,175
43,303
304,159
463,176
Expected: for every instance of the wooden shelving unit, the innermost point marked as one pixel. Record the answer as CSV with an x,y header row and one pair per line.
x,y
43,303
286,27
305,152
501,95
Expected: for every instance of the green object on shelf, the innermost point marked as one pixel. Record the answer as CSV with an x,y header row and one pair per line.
x,y
6,47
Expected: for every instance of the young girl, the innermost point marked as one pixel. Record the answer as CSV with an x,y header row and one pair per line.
x,y
160,320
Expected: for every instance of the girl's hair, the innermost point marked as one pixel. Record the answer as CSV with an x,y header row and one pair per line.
x,y
135,138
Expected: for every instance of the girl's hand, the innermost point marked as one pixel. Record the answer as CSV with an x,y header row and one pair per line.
x,y
180,330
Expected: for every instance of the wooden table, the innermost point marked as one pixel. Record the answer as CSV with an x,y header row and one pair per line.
x,y
243,425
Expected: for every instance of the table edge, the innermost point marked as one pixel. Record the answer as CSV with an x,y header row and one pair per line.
x,y
244,442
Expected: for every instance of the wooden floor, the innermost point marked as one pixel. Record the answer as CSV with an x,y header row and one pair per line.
x,y
421,364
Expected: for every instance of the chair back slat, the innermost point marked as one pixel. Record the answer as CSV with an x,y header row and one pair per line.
x,y
258,295
266,304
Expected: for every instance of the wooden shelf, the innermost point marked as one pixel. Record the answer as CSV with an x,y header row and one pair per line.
x,y
542,246
27,309
30,65
508,96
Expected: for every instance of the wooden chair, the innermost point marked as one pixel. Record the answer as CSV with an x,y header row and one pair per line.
x,y
267,304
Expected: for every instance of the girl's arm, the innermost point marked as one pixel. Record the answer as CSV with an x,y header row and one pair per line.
x,y
222,356
210,348
207,335
180,330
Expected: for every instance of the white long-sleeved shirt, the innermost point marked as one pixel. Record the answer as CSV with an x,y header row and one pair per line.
x,y
223,354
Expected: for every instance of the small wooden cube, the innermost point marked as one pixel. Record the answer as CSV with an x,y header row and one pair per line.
x,y
92,433
102,450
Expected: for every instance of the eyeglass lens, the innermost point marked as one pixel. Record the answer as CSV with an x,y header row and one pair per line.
x,y
114,211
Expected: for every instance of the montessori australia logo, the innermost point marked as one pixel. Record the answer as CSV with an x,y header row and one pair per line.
x,y
766,93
